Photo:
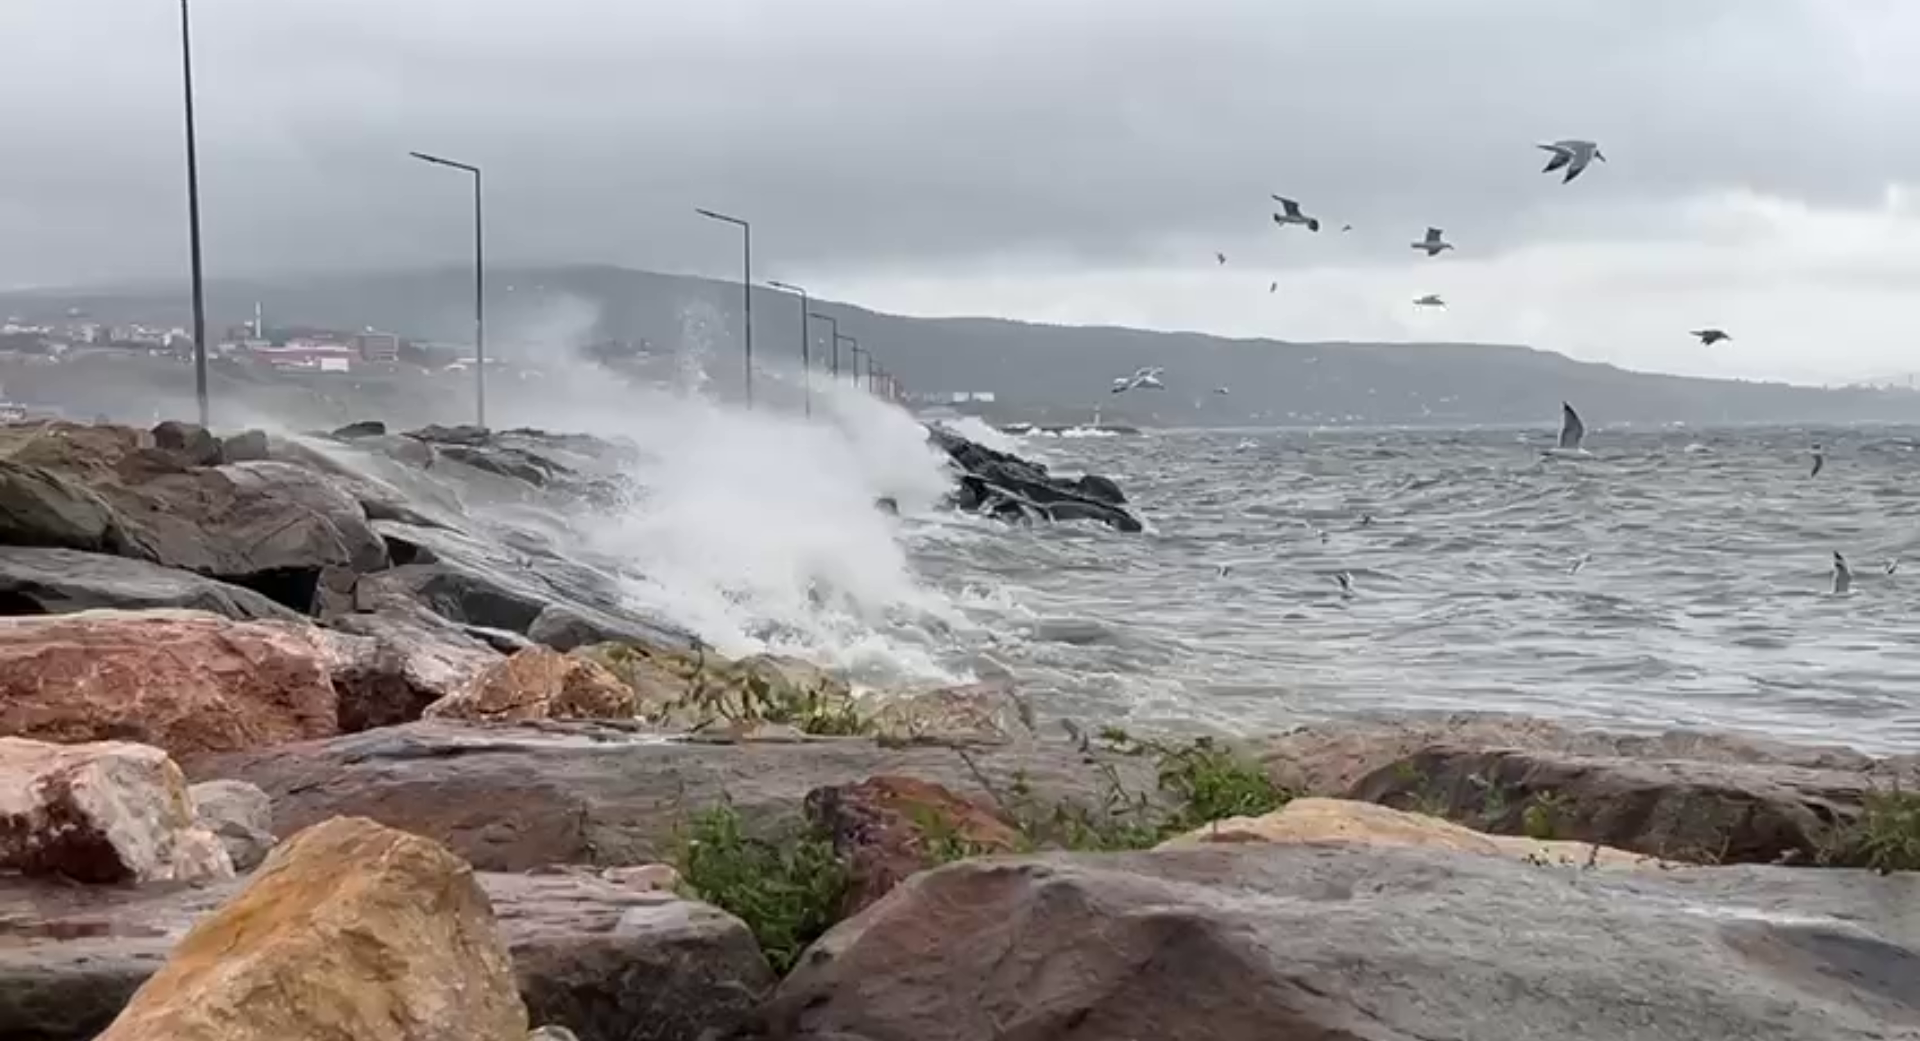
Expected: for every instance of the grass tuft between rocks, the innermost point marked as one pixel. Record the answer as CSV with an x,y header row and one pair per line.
x,y
1885,837
790,891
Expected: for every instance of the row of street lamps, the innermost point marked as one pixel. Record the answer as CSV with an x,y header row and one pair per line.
x,y
479,274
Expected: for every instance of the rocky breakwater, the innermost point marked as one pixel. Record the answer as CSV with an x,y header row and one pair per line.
x,y
1010,488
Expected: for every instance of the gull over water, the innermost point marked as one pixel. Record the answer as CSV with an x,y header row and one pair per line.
x,y
1434,244
1291,214
1573,155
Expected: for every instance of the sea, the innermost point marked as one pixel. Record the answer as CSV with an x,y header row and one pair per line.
x,y
1662,578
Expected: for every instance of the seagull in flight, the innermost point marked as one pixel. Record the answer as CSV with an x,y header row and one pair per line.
x,y
1222,391
1345,579
1221,257
1433,243
1293,214
1819,461
1273,287
1842,574
1572,154
1709,337
1431,300
1346,227
1143,378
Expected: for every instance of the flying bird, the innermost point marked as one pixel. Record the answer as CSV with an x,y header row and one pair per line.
x,y
1430,300
1709,337
1273,287
1842,574
1580,563
1819,461
1222,391
1143,378
1346,227
1433,243
1346,583
1572,154
1893,564
1572,431
1221,257
1293,214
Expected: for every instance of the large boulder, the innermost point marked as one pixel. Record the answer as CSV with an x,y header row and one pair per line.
x,y
41,507
240,815
1688,810
103,813
1374,942
511,798
184,681
59,581
1004,485
610,961
350,930
538,683
404,659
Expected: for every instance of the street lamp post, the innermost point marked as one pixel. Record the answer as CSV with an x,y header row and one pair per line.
x,y
479,284
806,343
193,220
857,352
834,324
746,284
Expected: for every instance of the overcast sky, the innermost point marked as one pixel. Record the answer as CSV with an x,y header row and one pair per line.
x,y
1060,160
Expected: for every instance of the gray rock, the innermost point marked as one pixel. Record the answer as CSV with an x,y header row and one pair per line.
x,y
240,816
364,428
511,798
192,445
246,447
612,963
1357,943
564,628
40,507
60,581
405,658
553,1033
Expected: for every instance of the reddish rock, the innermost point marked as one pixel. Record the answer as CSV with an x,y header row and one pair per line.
x,y
539,683
185,681
105,813
890,828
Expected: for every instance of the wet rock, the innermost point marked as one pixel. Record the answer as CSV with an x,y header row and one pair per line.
x,y
240,816
1342,821
538,683
513,798
61,581
463,434
407,659
192,445
1699,812
890,828
1007,486
693,690
184,681
1362,942
39,507
553,1033
248,446
627,963
364,428
630,963
565,627
349,930
108,812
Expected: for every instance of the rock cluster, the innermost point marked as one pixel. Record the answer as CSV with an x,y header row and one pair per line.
x,y
482,765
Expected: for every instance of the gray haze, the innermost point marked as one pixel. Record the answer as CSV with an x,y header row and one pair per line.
x,y
1068,161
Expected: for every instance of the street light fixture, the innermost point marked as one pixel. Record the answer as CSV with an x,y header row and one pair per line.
x,y
479,284
857,352
746,284
193,220
806,343
834,323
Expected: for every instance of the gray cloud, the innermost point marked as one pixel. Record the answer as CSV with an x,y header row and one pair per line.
x,y
863,135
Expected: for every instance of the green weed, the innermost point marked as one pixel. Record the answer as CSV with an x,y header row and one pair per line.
x,y
788,893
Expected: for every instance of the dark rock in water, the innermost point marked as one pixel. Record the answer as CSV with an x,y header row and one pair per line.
x,y
510,798
612,962
1101,488
504,461
364,428
60,581
1011,488
192,445
1362,942
248,446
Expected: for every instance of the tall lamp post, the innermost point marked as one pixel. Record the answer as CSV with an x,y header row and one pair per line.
x,y
746,284
193,220
479,285
806,343
857,352
834,324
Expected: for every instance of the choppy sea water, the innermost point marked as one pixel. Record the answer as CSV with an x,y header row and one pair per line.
x,y
1704,599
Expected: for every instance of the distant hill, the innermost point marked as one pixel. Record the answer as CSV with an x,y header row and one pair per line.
x,y
1035,371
